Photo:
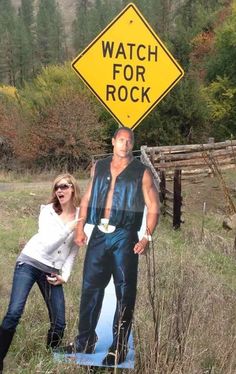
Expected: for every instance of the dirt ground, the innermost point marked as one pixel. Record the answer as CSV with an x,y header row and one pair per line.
x,y
209,190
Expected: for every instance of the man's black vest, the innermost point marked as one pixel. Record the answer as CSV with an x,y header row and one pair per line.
x,y
128,201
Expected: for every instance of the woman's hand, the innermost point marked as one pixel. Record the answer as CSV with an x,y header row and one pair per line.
x,y
55,279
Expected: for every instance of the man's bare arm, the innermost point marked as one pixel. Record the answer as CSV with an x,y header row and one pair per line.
x,y
151,198
80,236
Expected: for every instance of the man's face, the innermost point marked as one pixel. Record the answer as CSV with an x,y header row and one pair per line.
x,y
122,144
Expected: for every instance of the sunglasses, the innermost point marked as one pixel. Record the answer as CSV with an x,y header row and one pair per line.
x,y
62,187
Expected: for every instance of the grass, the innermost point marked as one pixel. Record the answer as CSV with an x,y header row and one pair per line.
x,y
29,176
185,318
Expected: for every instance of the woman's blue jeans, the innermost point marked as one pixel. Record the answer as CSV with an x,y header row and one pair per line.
x,y
23,280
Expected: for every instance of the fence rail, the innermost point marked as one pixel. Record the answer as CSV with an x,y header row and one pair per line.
x,y
192,159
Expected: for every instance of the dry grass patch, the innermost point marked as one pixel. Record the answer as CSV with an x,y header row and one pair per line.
x,y
185,310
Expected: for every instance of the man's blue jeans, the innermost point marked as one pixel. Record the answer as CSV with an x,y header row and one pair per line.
x,y
23,280
108,255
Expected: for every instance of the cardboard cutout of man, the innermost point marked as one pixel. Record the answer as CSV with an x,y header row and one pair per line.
x,y
114,202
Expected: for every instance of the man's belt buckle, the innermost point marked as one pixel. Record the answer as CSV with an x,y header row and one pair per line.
x,y
105,227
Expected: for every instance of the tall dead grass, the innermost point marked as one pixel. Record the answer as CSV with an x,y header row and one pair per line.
x,y
185,320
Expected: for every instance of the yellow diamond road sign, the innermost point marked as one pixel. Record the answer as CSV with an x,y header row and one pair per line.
x,y
128,68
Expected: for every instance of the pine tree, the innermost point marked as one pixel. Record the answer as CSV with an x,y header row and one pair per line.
x,y
50,35
27,13
23,51
101,14
80,27
8,32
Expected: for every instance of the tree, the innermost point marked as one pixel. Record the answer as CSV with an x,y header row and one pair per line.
x,y
23,52
220,90
178,119
10,123
222,62
191,18
27,13
81,26
220,96
8,32
159,13
50,34
54,121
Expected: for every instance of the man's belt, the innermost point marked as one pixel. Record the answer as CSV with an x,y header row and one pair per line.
x,y
105,227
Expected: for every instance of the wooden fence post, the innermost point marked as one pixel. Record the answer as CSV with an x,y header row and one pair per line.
x,y
162,186
177,199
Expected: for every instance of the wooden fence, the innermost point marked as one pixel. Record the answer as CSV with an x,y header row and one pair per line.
x,y
193,159
176,162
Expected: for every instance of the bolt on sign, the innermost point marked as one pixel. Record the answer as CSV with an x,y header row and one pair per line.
x,y
128,68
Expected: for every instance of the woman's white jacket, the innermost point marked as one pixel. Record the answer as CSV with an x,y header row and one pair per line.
x,y
53,245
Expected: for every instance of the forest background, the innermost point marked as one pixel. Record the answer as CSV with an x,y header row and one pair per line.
x,y
49,119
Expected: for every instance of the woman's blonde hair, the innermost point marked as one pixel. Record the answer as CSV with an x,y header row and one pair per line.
x,y
76,197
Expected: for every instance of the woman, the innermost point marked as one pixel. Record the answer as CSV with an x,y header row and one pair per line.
x,y
47,260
